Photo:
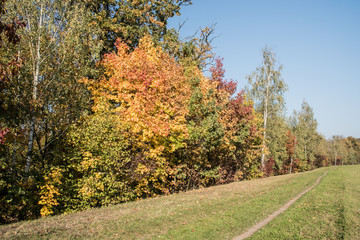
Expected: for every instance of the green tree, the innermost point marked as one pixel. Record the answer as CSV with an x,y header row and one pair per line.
x,y
323,154
132,19
338,149
49,97
304,126
277,128
266,87
353,148
44,98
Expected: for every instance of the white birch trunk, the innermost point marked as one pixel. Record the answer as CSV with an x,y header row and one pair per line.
x,y
36,69
265,120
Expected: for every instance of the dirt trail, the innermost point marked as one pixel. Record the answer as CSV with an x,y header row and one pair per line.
x,y
261,224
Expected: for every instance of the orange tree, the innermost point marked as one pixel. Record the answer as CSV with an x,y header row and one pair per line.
x,y
157,127
145,93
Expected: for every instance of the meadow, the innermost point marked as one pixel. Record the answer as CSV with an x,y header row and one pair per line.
x,y
329,211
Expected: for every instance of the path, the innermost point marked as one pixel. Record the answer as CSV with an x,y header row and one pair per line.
x,y
261,224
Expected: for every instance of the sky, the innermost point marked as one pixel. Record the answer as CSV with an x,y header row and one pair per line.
x,y
316,41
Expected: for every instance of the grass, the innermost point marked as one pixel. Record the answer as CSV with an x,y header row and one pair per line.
x,y
330,211
220,212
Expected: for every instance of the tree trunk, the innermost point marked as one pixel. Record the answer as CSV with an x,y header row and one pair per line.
x,y
13,157
30,145
265,122
36,69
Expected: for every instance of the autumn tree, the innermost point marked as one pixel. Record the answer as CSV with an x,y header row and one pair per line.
x,y
240,145
266,87
147,92
47,86
205,130
44,98
353,148
10,63
290,148
243,138
344,150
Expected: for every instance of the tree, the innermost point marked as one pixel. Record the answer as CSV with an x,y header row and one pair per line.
x,y
244,138
323,154
353,148
195,50
148,92
338,149
49,95
9,60
238,151
267,88
132,20
9,29
304,126
43,98
290,147
277,128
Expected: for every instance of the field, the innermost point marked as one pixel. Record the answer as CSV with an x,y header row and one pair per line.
x,y
329,211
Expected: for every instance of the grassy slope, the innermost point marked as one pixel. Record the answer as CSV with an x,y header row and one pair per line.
x,y
330,211
220,212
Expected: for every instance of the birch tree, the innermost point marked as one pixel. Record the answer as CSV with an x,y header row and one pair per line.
x,y
267,89
304,126
338,149
58,47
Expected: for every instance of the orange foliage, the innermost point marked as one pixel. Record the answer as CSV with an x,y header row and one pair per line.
x,y
149,92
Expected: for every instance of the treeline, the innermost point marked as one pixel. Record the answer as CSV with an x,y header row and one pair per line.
x,y
101,103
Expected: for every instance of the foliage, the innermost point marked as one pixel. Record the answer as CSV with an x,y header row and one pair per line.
x,y
343,150
172,123
277,128
147,92
243,139
98,166
49,191
101,103
41,97
290,150
304,125
269,169
267,88
132,20
200,214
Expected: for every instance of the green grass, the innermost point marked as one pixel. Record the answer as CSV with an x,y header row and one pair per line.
x,y
220,212
330,211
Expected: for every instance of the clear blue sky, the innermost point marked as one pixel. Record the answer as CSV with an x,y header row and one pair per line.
x,y
317,42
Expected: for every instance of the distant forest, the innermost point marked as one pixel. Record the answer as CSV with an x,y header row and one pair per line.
x,y
102,103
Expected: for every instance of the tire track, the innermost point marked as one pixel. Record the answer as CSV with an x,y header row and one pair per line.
x,y
262,223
